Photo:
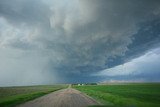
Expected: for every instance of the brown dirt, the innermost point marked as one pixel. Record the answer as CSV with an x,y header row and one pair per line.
x,y
63,98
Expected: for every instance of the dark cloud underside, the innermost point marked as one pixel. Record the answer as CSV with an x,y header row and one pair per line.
x,y
69,39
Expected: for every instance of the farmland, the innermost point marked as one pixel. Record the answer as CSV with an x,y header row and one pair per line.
x,y
132,95
11,96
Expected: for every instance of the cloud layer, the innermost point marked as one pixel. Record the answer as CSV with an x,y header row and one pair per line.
x,y
144,68
68,39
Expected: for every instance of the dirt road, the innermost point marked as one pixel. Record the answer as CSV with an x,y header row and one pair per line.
x,y
63,98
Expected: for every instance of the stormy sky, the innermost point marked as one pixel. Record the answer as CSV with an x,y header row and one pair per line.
x,y
74,41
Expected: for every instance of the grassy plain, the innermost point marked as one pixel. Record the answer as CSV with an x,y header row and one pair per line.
x,y
126,95
12,96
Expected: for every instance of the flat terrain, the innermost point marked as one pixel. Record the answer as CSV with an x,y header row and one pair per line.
x,y
11,96
133,95
118,95
63,98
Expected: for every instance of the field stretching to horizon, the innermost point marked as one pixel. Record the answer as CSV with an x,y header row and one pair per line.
x,y
109,95
12,96
128,95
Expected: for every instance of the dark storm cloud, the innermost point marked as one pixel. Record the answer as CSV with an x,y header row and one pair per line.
x,y
146,38
77,38
143,68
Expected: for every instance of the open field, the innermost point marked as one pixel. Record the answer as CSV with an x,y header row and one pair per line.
x,y
132,95
11,96
125,95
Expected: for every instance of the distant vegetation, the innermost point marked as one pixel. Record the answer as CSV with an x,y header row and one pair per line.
x,y
128,95
11,96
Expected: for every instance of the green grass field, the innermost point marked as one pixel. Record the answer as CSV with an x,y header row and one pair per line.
x,y
128,95
12,96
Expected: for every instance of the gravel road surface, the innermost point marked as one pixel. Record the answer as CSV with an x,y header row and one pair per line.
x,y
63,98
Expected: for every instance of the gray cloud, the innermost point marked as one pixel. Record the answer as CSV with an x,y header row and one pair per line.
x,y
136,66
143,68
24,11
76,37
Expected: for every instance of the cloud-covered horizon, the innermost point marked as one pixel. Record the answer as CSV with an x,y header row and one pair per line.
x,y
144,68
49,41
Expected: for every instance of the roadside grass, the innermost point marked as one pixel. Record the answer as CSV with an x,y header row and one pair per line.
x,y
12,96
125,95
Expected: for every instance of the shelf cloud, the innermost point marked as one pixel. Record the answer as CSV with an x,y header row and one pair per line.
x,y
49,41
